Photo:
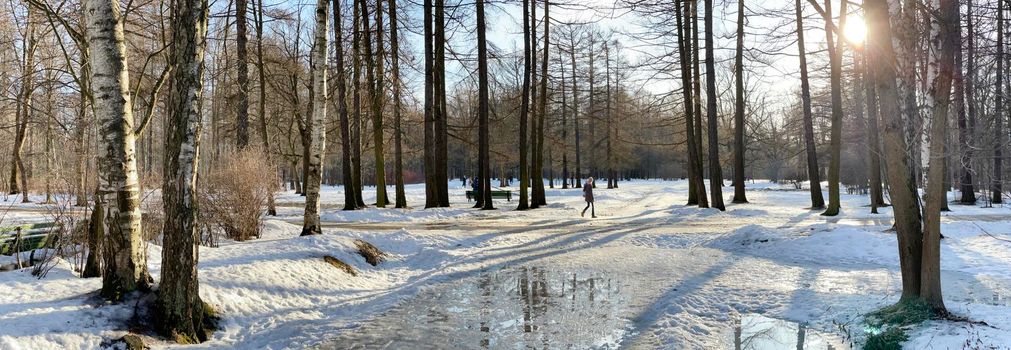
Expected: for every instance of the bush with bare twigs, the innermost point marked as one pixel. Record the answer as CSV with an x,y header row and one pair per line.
x,y
234,194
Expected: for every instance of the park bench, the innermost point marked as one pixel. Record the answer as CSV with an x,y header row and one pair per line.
x,y
28,237
508,195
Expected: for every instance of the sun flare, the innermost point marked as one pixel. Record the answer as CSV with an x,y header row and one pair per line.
x,y
855,29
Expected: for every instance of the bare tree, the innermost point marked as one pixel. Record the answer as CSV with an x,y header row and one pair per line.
x,y
715,173
813,175
317,123
739,195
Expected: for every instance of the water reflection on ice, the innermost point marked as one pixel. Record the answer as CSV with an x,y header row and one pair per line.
x,y
511,308
757,332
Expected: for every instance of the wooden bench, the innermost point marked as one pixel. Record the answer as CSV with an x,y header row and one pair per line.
x,y
29,237
508,195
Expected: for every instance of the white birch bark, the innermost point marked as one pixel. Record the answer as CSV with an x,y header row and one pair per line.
x,y
317,124
179,307
125,255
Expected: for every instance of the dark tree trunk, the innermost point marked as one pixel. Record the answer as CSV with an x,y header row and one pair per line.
x,y
697,191
242,68
964,96
538,198
835,61
996,186
525,109
565,129
575,116
814,177
356,105
484,142
873,144
347,177
442,113
715,173
431,190
398,148
739,195
374,78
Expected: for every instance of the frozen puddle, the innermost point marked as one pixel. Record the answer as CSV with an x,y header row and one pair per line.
x,y
526,307
757,332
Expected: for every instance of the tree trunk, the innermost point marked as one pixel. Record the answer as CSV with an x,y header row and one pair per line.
x,y
24,112
484,141
715,173
431,196
538,198
901,181
356,122
525,109
565,129
814,177
347,179
873,144
607,116
271,208
178,307
398,167
835,61
739,195
96,231
317,123
943,42
996,186
374,79
697,102
963,92
697,187
242,67
575,116
125,254
442,113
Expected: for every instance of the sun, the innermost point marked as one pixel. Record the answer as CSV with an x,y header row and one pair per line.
x,y
855,29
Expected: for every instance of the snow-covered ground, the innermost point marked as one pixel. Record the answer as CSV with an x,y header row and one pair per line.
x,y
649,272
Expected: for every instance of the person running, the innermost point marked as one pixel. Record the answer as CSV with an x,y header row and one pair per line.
x,y
588,196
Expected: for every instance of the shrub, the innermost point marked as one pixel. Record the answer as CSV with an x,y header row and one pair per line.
x,y
233,195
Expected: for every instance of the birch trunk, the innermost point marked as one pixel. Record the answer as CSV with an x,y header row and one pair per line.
x,y
178,308
317,123
125,254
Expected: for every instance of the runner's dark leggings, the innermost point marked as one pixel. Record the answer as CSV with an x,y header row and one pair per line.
x,y
589,205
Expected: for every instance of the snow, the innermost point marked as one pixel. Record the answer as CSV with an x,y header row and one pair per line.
x,y
649,273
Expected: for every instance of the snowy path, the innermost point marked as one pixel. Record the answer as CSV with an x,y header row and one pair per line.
x,y
644,276
648,273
